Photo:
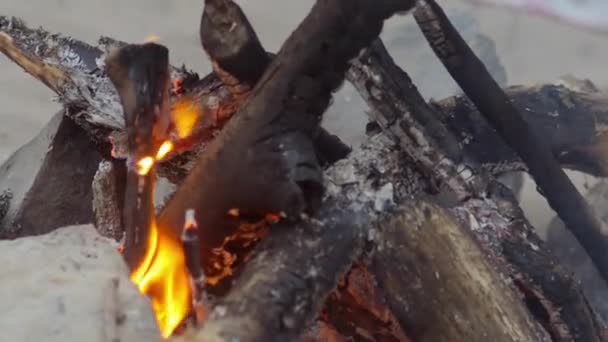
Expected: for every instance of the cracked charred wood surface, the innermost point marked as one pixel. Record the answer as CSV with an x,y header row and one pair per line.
x,y
239,60
381,81
140,74
470,73
431,270
263,161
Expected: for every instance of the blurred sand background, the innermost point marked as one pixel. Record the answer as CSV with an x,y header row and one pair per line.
x,y
530,49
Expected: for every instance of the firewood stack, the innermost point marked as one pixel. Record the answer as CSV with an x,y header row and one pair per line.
x,y
408,237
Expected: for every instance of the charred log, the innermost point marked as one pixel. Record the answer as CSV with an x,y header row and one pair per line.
x,y
431,270
272,133
239,60
470,73
141,76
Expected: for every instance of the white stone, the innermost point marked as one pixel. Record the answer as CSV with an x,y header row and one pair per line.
x,y
59,287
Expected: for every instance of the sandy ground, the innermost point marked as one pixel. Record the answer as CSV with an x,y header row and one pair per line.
x,y
531,49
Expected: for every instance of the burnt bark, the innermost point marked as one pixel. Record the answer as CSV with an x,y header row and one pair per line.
x,y
272,133
239,60
476,82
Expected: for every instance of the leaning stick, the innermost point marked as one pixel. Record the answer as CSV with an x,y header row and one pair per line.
x,y
477,83
192,253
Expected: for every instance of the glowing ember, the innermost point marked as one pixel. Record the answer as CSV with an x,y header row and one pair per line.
x,y
162,276
144,165
184,115
165,148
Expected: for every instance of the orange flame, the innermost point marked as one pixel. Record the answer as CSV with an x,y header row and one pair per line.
x,y
184,115
151,38
165,148
163,276
144,165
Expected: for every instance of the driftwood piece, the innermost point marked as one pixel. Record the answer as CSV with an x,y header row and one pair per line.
x,y
428,267
49,181
470,73
272,132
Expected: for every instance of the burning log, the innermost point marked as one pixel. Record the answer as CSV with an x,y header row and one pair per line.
x,y
207,104
49,181
140,74
272,133
495,106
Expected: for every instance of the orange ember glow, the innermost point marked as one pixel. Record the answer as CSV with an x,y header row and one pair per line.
x,y
144,165
163,276
184,115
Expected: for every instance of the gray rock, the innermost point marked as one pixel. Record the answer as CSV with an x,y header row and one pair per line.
x,y
50,181
70,285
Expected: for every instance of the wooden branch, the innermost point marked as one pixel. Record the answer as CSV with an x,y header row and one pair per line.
x,y
381,81
402,112
50,75
574,135
470,73
284,286
141,76
440,284
568,118
272,133
239,60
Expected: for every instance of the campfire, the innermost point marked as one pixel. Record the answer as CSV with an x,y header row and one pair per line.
x,y
275,230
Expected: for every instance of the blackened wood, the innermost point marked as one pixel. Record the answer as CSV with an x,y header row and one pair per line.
x,y
263,161
101,114
49,181
400,109
440,284
141,76
238,57
392,96
285,284
239,60
470,73
568,118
